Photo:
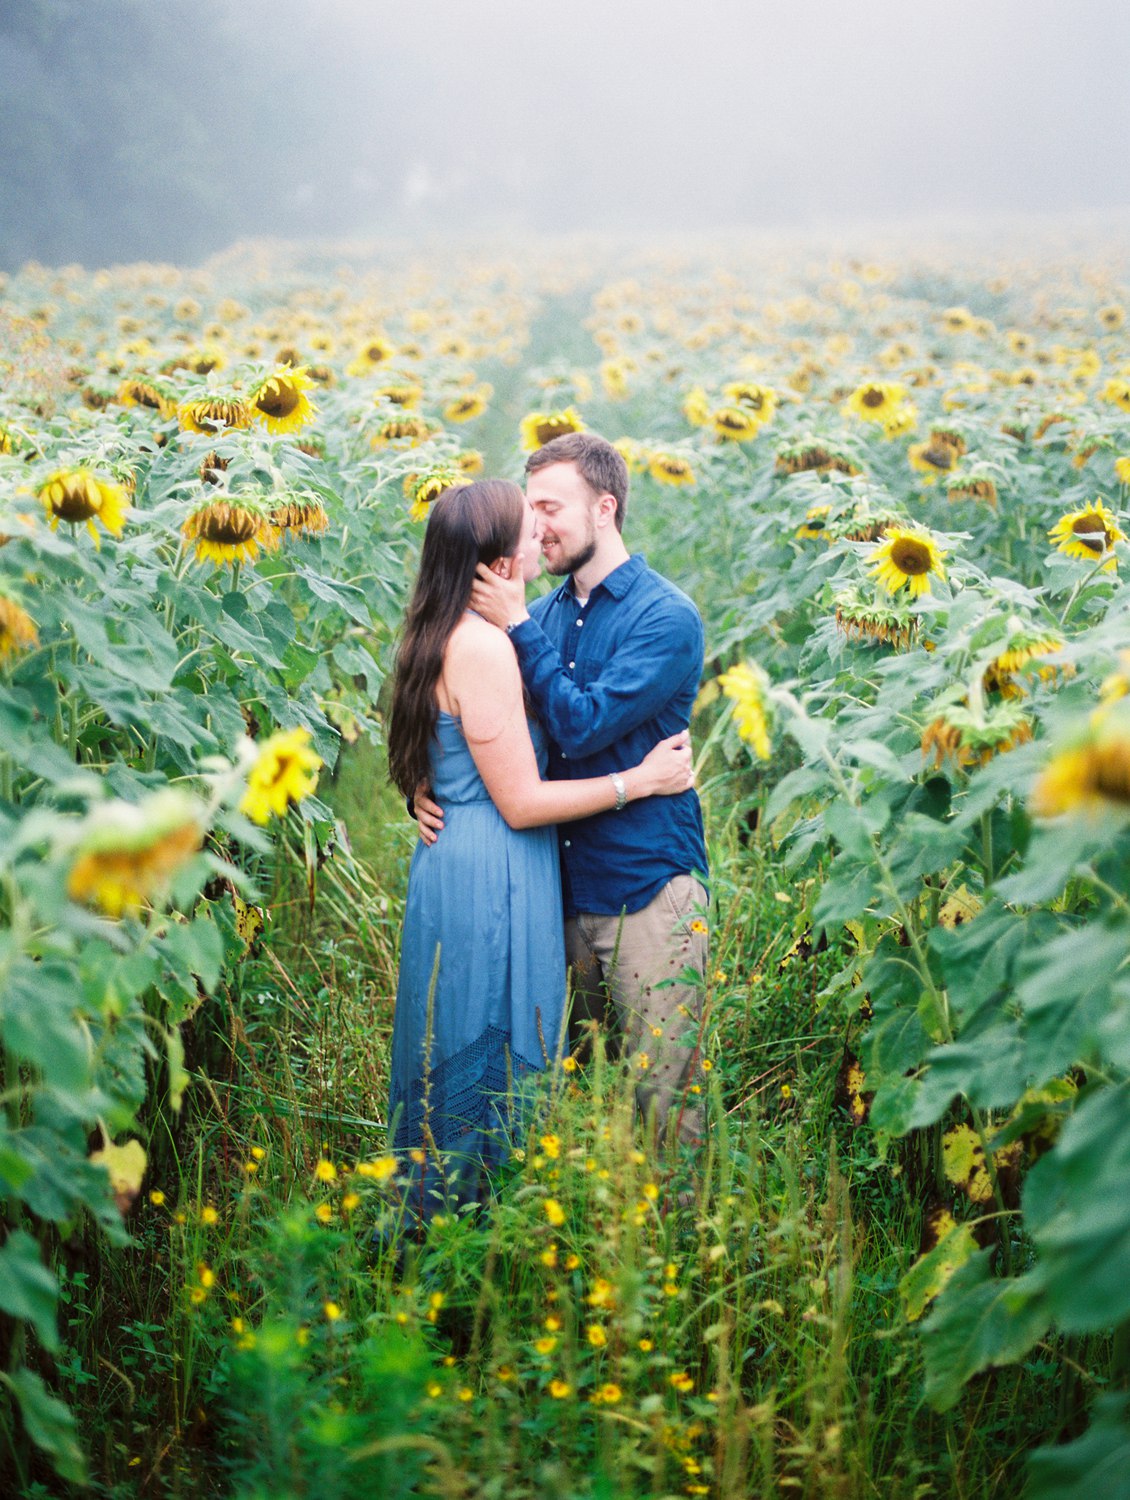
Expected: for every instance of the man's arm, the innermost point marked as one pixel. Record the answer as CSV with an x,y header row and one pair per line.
x,y
632,687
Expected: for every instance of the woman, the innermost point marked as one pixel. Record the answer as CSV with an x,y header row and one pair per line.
x,y
481,989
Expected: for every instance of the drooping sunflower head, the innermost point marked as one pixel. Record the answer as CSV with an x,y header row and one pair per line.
x,y
209,413
204,361
875,621
813,455
905,558
78,496
875,400
407,430
1089,534
146,393
541,427
281,400
404,394
300,512
229,529
971,486
671,468
284,770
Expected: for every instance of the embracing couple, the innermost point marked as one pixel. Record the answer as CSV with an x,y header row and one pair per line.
x,y
547,756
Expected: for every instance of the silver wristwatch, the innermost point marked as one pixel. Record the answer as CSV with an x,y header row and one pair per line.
x,y
621,790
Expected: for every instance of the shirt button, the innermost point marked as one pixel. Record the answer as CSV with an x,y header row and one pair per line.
x,y
568,843
572,664
564,756
580,622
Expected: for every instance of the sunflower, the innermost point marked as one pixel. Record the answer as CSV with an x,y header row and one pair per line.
x,y
907,557
285,770
1021,649
204,361
696,407
372,354
229,530
746,685
814,527
410,430
972,487
735,424
77,495
759,399
281,400
541,427
902,420
875,400
1089,533
1121,469
810,455
614,375
465,408
1117,392
634,454
423,489
208,413
127,854
407,397
933,457
17,629
958,320
1091,776
142,392
967,739
1111,317
469,463
869,619
671,468
302,513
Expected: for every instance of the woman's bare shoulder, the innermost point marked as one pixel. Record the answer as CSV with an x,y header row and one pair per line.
x,y
478,657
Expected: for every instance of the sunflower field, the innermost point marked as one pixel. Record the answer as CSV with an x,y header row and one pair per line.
x,y
896,487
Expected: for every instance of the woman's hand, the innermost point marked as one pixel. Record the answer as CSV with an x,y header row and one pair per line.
x,y
665,770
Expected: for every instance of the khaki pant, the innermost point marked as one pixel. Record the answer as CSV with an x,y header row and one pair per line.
x,y
656,1026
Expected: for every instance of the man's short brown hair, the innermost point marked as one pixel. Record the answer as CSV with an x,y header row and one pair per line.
x,y
599,464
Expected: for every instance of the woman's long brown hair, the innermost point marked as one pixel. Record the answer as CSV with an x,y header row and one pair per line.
x,y
468,524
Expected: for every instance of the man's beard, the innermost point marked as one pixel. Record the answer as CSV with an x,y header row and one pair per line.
x,y
574,560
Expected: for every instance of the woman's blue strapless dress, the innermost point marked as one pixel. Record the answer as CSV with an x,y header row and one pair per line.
x,y
484,924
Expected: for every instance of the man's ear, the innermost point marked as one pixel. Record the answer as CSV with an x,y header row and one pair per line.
x,y
606,509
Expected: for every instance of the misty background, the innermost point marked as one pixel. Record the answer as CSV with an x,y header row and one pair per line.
x,y
166,130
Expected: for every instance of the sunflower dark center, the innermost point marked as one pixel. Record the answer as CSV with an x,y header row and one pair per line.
x,y
911,557
873,396
278,400
1091,532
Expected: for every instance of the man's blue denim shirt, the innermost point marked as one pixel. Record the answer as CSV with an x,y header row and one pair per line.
x,y
608,681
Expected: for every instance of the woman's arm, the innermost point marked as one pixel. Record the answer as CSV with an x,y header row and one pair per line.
x,y
485,687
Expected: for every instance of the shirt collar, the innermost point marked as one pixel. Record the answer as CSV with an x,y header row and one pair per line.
x,y
618,582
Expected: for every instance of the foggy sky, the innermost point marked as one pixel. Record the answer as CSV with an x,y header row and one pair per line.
x,y
366,116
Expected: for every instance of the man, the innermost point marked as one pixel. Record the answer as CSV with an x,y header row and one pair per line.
x,y
611,661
